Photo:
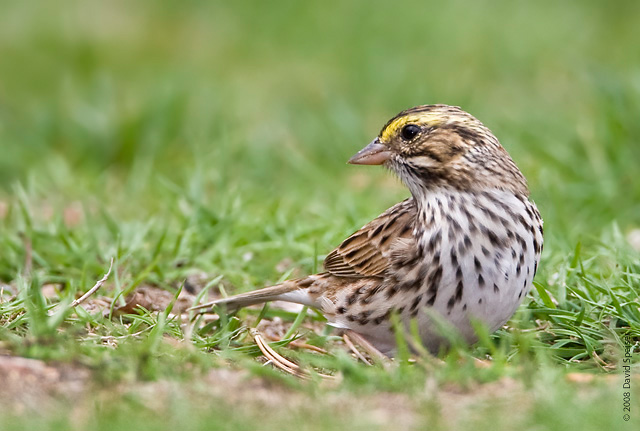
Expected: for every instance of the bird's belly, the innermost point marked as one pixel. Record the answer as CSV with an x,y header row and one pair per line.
x,y
466,265
486,289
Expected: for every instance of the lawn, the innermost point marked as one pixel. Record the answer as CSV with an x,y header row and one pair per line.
x,y
201,146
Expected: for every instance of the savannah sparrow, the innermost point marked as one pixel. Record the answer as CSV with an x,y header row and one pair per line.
x,y
466,245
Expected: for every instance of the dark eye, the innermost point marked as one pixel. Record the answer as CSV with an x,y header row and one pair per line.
x,y
409,132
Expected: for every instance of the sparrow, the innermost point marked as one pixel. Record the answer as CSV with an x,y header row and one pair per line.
x,y
465,246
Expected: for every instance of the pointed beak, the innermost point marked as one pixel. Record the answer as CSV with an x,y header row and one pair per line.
x,y
373,154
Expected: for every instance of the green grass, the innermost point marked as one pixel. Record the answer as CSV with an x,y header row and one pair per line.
x,y
211,138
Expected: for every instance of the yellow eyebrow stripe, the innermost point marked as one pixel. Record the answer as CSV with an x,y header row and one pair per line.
x,y
428,118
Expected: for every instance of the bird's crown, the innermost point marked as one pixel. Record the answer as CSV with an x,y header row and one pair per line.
x,y
430,116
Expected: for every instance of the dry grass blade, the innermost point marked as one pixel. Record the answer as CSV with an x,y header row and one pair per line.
x,y
280,361
353,348
97,286
606,366
301,345
374,353
276,359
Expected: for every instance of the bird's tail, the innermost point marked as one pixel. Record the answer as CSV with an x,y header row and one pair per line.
x,y
288,291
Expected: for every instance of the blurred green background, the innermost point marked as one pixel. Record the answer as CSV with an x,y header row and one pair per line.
x,y
249,110
209,138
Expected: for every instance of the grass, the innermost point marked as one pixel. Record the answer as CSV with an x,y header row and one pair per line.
x,y
208,141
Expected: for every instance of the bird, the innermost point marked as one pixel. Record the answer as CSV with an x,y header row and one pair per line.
x,y
464,248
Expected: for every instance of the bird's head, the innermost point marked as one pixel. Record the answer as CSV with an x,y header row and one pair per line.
x,y
442,146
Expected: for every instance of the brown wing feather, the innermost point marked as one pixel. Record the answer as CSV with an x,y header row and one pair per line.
x,y
366,253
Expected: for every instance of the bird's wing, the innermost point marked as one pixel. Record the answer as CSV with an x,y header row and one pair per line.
x,y
367,252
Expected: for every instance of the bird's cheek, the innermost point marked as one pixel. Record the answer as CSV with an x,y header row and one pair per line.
x,y
424,162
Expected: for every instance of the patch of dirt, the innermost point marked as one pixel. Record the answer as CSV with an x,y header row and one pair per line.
x,y
29,385
34,387
155,299
149,297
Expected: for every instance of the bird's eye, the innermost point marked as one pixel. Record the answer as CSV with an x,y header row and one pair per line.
x,y
409,132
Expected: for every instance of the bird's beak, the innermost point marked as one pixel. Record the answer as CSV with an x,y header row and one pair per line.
x,y
373,154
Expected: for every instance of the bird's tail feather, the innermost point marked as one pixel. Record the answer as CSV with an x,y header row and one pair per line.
x,y
271,293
